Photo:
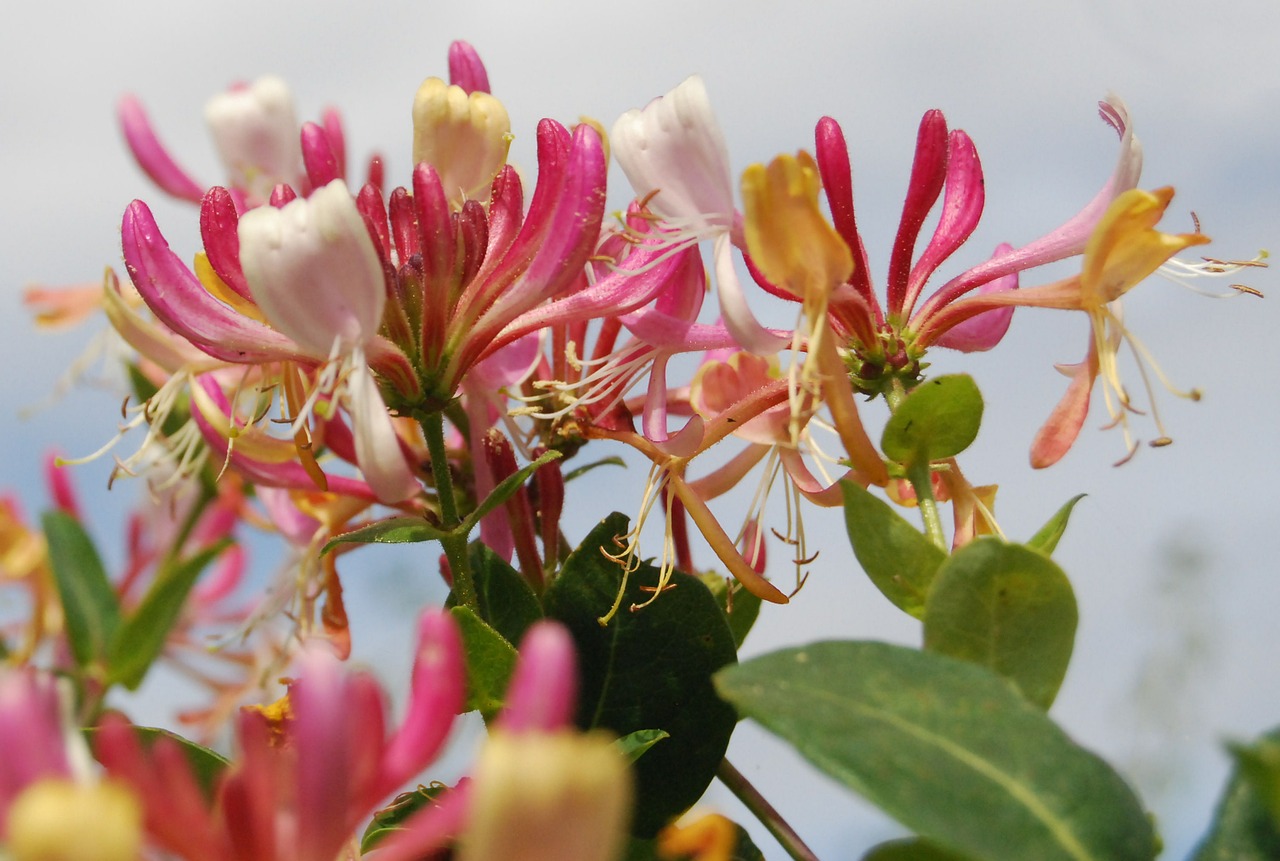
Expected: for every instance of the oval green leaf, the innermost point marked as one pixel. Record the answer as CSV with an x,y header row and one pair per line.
x,y
938,419
1008,608
898,558
947,748
649,668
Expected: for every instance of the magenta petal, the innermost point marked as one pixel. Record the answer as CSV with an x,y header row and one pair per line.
x,y
151,155
837,181
983,331
332,121
466,70
543,691
437,693
961,209
319,157
928,172
180,301
219,219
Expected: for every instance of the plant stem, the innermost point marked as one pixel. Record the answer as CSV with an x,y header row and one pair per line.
x,y
921,478
455,546
764,811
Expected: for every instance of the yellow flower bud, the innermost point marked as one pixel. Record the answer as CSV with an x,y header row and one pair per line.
x,y
59,820
548,797
464,137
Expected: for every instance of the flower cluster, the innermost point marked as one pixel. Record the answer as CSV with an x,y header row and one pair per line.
x,y
344,363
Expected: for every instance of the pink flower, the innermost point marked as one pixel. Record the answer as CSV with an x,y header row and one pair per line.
x,y
306,778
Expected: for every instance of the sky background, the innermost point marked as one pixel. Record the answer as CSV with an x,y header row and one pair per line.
x,y
1172,555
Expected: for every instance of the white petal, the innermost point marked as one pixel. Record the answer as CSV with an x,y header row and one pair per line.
x,y
313,270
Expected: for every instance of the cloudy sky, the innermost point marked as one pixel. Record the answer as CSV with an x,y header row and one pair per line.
x,y
1172,555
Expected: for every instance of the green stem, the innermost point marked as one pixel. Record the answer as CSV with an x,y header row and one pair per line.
x,y
455,547
921,478
764,811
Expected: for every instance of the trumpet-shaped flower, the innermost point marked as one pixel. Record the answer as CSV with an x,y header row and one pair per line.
x,y
1122,251
305,781
313,270
675,156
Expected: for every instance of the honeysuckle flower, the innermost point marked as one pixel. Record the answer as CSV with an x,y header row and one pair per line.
x,y
541,790
256,132
885,342
314,272
301,786
52,806
675,156
470,281
1124,249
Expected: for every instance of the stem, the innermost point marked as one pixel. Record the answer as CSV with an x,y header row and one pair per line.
x,y
921,479
764,811
455,546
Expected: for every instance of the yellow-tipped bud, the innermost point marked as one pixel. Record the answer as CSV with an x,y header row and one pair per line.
x,y
548,797
58,820
464,137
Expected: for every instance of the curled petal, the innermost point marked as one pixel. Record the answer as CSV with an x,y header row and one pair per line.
x,y
181,302
1060,431
151,155
737,315
1125,247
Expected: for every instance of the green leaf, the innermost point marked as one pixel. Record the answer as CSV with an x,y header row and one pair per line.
x,y
505,490
1046,539
206,765
912,849
89,603
740,607
391,818
490,662
506,600
141,638
947,748
1008,608
393,530
1244,828
937,420
648,669
634,744
900,560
